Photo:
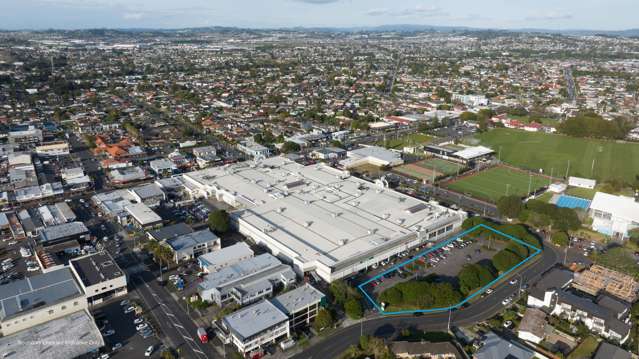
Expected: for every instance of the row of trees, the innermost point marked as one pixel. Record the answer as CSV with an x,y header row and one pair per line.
x,y
538,213
589,124
473,276
421,294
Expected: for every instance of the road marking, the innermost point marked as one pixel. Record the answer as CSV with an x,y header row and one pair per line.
x,y
188,338
198,351
177,325
170,314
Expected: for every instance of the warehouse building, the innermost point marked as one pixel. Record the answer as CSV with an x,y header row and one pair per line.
x,y
321,219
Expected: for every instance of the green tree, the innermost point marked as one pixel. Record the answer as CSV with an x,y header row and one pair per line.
x,y
353,308
505,259
323,320
219,221
560,239
510,206
289,147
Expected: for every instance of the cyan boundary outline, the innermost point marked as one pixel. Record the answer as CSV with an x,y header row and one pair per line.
x,y
440,245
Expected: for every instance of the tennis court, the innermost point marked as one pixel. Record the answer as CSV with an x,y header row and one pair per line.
x,y
442,166
572,202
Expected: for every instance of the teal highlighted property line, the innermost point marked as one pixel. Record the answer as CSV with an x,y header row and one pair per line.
x,y
438,246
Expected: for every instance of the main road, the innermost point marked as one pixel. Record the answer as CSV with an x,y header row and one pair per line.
x,y
387,326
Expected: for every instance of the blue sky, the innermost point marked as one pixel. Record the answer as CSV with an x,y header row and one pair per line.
x,y
552,14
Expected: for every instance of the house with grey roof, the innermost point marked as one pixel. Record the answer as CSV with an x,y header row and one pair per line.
x,y
494,346
38,299
599,319
609,351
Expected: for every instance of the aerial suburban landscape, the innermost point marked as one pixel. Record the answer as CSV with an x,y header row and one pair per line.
x,y
348,189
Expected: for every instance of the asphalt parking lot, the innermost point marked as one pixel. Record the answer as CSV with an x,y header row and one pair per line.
x,y
445,263
112,317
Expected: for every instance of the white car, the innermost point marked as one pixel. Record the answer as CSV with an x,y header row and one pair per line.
x,y
149,351
141,326
508,324
116,347
489,291
109,333
129,310
513,281
33,268
125,302
505,301
138,321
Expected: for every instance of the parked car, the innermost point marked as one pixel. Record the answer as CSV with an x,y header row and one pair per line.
x,y
129,309
138,321
149,351
116,346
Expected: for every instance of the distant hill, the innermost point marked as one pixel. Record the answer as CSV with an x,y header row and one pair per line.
x,y
397,28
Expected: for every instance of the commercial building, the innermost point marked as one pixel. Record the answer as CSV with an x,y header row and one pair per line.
x,y
142,216
76,331
99,276
169,232
38,299
371,155
300,305
252,327
320,218
192,245
247,281
150,194
215,261
162,167
53,149
72,231
614,215
598,279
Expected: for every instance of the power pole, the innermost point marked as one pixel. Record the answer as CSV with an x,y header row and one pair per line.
x,y
567,169
529,183
450,313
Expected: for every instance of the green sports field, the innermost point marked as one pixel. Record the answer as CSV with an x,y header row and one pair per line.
x,y
493,183
441,166
532,150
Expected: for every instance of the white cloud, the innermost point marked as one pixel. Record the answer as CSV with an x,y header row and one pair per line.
x,y
132,16
417,11
549,16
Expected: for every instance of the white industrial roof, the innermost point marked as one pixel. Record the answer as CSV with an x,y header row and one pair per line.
x,y
319,212
297,299
619,206
473,152
254,319
142,213
68,337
